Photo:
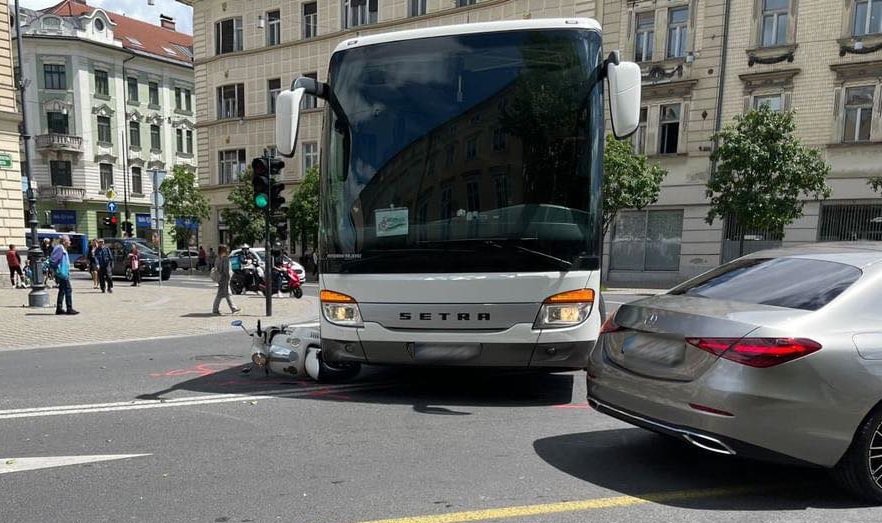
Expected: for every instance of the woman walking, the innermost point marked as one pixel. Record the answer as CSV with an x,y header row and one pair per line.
x,y
222,267
93,262
135,264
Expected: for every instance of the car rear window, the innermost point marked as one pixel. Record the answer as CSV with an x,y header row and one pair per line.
x,y
796,283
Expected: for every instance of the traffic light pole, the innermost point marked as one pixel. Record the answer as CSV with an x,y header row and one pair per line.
x,y
268,270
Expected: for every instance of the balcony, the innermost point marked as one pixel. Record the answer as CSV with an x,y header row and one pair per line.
x,y
59,142
61,193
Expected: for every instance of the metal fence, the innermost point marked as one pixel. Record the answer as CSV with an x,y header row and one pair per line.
x,y
850,221
738,241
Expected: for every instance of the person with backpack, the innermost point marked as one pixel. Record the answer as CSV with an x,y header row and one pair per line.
x,y
135,264
59,261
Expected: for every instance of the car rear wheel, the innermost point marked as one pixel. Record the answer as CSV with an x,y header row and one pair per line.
x,y
129,275
860,470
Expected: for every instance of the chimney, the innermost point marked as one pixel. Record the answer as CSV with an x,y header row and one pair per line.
x,y
167,22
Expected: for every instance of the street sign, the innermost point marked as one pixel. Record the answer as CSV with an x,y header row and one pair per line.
x,y
5,160
111,206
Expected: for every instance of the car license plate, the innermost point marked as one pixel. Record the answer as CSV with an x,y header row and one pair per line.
x,y
654,350
440,352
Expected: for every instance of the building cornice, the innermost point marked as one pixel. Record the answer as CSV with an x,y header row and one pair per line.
x,y
350,33
857,70
121,50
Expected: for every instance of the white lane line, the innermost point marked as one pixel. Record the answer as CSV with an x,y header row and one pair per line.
x,y
182,402
8,465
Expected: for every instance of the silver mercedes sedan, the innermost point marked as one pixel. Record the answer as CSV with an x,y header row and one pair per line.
x,y
776,355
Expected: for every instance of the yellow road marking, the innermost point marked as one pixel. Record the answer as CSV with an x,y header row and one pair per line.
x,y
575,506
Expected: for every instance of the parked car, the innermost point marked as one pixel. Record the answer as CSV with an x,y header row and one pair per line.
x,y
183,259
261,253
775,355
151,263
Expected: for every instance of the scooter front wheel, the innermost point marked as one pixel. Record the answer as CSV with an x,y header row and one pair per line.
x,y
297,292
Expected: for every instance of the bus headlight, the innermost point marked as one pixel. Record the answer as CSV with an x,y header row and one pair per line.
x,y
340,309
565,309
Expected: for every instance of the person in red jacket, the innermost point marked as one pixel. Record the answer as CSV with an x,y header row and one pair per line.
x,y
13,259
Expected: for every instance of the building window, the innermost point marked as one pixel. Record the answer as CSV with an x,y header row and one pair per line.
x,y
189,135
471,149
231,165
446,202
498,139
450,155
102,84
104,135
775,22
359,12
310,156
153,89
137,183
669,129
310,20
231,101
182,99
106,170
463,3
416,7
473,194
638,141
858,113
273,27
54,77
57,122
132,84
502,189
646,241
155,139
274,87
850,222
134,134
645,37
184,140
678,20
309,101
867,17
228,36
772,101
60,173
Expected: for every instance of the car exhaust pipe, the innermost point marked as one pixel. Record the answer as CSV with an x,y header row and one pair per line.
x,y
708,443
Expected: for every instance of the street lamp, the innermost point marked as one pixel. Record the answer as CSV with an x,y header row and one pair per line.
x,y
38,297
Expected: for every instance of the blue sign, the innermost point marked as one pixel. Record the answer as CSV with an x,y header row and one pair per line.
x,y
111,206
64,217
186,223
142,221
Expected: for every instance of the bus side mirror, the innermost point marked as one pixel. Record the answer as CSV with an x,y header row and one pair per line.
x,y
623,82
288,120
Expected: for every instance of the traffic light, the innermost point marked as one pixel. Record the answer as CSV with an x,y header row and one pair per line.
x,y
106,221
260,181
280,222
128,228
276,198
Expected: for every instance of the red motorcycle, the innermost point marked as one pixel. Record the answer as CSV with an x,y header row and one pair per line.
x,y
285,279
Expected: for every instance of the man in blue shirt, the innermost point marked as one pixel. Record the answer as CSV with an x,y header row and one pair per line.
x,y
105,266
60,262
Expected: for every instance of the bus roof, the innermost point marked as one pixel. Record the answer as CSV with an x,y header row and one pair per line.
x,y
482,27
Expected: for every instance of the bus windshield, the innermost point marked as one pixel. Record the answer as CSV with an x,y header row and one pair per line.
x,y
465,153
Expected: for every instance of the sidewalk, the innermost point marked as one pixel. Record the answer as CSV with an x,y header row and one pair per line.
x,y
144,312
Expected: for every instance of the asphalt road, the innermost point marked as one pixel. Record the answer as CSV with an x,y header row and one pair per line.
x,y
207,443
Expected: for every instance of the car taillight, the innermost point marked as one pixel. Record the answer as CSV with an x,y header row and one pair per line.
x,y
757,352
610,325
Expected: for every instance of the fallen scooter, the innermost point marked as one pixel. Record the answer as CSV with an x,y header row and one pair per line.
x,y
294,350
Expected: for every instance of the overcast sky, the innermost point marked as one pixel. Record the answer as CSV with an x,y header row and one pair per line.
x,y
139,9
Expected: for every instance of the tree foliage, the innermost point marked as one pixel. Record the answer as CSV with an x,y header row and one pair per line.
x,y
875,183
764,174
629,181
183,199
304,209
244,219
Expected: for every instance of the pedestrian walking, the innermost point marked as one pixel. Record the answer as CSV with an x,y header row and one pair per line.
x,y
93,262
223,271
212,257
203,259
105,267
60,263
46,247
13,260
135,264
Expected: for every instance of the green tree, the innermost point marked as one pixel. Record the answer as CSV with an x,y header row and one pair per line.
x,y
303,213
875,183
764,173
244,219
629,181
183,200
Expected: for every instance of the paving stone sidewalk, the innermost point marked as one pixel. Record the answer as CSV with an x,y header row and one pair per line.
x,y
148,311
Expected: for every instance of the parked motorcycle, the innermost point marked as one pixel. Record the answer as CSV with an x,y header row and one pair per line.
x,y
290,281
247,278
294,350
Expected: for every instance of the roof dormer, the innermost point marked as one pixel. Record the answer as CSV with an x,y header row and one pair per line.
x,y
98,26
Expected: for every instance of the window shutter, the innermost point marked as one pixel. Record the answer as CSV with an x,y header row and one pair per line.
x,y
785,101
837,115
682,145
652,118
